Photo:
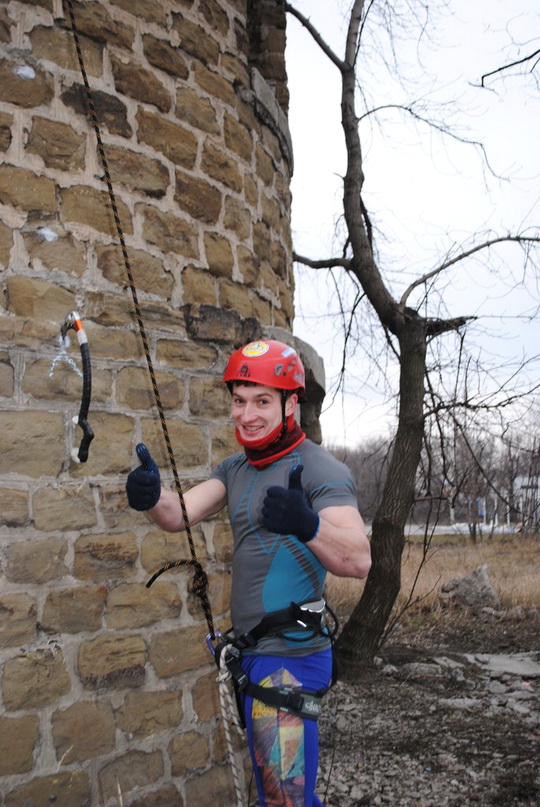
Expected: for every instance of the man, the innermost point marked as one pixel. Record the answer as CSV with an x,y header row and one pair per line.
x,y
293,512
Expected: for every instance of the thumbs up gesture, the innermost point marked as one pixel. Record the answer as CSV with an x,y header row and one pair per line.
x,y
286,511
143,486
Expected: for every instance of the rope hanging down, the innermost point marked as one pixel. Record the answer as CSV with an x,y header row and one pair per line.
x,y
200,580
73,321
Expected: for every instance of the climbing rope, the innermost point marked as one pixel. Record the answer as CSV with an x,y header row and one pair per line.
x,y
73,321
229,715
200,579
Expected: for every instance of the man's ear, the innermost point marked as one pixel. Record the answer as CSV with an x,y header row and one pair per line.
x,y
292,402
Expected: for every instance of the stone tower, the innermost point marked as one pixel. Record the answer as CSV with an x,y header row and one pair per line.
x,y
107,687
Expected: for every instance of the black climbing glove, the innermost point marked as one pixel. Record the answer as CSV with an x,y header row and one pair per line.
x,y
143,485
286,511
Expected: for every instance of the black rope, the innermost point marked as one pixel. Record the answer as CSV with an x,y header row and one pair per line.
x,y
200,580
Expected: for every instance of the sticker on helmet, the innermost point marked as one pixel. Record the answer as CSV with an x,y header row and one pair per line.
x,y
278,369
255,349
290,351
243,372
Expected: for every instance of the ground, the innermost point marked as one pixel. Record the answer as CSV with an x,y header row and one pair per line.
x,y
429,727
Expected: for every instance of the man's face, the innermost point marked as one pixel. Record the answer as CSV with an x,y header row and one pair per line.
x,y
256,410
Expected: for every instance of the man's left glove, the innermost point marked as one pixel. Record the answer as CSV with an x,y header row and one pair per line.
x,y
286,511
143,486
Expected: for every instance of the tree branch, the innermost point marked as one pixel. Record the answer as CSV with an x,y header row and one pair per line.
x,y
511,64
520,239
316,36
329,263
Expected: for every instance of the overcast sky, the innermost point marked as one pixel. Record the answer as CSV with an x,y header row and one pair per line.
x,y
426,194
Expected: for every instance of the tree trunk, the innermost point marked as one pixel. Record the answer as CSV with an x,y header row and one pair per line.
x,y
361,637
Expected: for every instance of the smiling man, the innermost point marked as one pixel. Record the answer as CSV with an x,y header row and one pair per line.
x,y
293,512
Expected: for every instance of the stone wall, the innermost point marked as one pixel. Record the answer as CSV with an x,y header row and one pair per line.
x,y
107,687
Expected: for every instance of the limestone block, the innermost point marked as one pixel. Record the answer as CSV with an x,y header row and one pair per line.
x,y
176,142
32,680
132,771
71,789
237,217
176,651
205,697
249,264
109,309
166,57
65,508
148,271
186,354
134,81
264,166
137,172
238,138
196,111
272,213
74,610
134,389
105,557
32,297
6,243
114,508
13,507
108,344
199,286
159,548
208,398
112,661
145,713
18,738
37,560
24,84
214,84
198,198
188,440
219,255
64,384
215,16
7,379
196,41
474,591
53,247
147,10
22,188
83,731
234,66
57,143
215,786
95,22
135,606
236,297
6,122
169,233
21,332
167,796
18,615
220,167
223,443
58,46
92,207
111,112
188,752
5,26
212,324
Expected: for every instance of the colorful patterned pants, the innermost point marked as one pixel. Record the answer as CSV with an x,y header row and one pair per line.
x,y
284,748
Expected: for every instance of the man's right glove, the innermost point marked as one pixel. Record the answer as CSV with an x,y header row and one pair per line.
x,y
143,486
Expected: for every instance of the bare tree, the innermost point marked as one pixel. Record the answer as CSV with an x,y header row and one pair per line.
x,y
408,331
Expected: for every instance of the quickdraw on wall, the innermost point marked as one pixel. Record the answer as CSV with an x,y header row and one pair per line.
x,y
73,321
200,580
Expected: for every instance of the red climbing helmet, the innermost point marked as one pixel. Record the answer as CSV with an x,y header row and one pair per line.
x,y
267,362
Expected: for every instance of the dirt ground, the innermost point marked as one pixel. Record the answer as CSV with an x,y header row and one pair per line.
x,y
437,740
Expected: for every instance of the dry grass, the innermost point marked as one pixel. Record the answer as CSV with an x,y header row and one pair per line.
x,y
513,567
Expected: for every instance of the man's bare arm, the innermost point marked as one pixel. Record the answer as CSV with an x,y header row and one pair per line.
x,y
341,544
202,501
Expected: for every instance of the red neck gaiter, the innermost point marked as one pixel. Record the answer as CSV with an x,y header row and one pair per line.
x,y
273,446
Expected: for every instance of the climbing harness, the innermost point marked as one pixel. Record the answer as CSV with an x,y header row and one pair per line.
x,y
200,579
73,321
310,618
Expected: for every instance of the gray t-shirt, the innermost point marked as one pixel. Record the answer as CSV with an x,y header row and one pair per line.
x,y
270,570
